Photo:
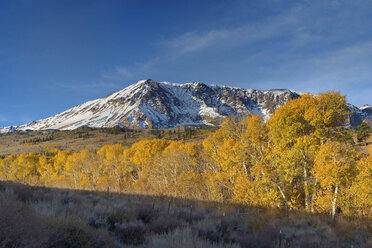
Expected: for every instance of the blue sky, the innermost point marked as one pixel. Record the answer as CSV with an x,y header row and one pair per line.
x,y
55,54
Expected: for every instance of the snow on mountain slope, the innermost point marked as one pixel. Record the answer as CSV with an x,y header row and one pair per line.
x,y
358,115
149,104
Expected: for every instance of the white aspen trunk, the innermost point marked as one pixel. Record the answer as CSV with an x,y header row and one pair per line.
x,y
245,169
284,197
334,202
306,189
312,197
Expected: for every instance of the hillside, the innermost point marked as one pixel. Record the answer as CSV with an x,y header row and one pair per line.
x,y
48,217
18,142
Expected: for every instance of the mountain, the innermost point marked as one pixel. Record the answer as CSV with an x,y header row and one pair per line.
x,y
149,104
358,115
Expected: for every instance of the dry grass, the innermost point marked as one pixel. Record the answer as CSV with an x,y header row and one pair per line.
x,y
45,217
87,138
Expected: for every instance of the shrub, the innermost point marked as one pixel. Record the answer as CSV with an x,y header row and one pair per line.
x,y
130,234
210,235
164,224
19,227
72,233
2,187
24,193
219,232
265,237
183,238
147,214
41,195
184,215
227,225
66,199
97,222
115,218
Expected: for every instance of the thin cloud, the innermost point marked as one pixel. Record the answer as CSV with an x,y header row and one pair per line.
x,y
85,87
124,72
302,25
287,23
140,70
193,42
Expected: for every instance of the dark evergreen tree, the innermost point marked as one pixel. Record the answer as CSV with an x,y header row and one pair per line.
x,y
363,132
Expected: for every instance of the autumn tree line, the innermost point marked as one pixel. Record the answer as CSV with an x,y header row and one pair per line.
x,y
301,158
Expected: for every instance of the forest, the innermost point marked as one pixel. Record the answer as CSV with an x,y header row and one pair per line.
x,y
303,158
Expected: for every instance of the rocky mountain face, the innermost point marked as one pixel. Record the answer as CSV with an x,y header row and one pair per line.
x,y
358,115
149,104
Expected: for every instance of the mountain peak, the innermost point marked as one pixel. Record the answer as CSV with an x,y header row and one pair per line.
x,y
365,106
147,82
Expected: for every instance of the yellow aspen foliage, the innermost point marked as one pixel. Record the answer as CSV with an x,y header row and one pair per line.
x,y
228,155
291,146
228,147
254,140
296,131
195,152
213,142
45,170
230,160
289,122
302,155
84,169
114,170
266,179
92,170
256,193
186,155
320,115
328,114
24,168
59,162
225,181
335,164
77,169
231,128
143,152
285,175
361,189
176,160
191,185
214,189
335,168
111,154
6,165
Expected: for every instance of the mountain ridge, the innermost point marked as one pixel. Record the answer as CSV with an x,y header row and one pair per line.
x,y
151,104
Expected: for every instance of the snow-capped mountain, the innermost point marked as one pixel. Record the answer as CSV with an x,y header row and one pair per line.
x,y
358,115
149,104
